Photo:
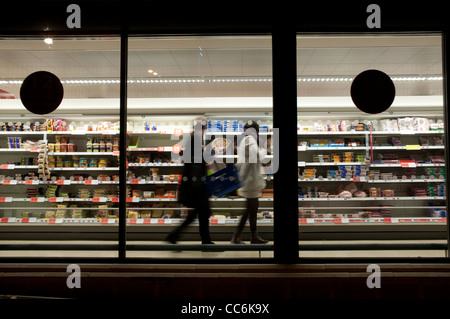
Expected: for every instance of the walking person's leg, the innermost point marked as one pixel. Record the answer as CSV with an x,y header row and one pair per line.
x,y
252,207
173,236
203,213
236,239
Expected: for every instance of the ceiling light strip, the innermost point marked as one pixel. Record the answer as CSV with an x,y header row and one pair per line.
x,y
227,80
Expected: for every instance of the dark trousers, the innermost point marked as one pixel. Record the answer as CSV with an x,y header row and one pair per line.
x,y
250,214
202,211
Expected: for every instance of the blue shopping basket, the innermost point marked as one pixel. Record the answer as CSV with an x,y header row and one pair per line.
x,y
223,182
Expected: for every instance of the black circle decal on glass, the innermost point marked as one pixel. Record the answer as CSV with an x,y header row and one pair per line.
x,y
372,91
41,92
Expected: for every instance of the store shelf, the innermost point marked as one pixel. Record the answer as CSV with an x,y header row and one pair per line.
x,y
155,164
19,150
218,221
361,199
84,169
307,133
332,148
85,153
415,164
151,149
302,164
373,181
13,166
233,133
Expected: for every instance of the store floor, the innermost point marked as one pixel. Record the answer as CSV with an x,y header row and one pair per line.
x,y
220,254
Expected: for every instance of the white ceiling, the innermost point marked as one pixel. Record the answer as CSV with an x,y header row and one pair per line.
x,y
221,57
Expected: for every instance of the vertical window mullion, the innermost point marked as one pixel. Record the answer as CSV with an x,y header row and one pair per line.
x,y
123,145
284,64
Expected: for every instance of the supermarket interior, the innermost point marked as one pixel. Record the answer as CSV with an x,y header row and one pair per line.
x,y
362,178
97,180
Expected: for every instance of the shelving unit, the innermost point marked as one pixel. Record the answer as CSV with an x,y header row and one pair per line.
x,y
152,172
395,162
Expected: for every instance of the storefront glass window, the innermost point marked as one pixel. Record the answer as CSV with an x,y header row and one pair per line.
x,y
58,174
369,176
176,87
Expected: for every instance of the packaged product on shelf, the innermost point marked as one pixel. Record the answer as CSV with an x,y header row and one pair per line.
x,y
50,214
406,124
388,193
423,141
438,172
95,147
136,193
337,143
148,194
60,212
83,162
318,143
374,192
394,141
438,141
318,127
99,192
348,157
389,125
102,211
320,158
68,163
89,144
108,144
438,126
77,213
103,162
437,159
51,191
14,142
63,194
84,193
332,173
32,192
132,214
115,146
436,212
421,124
386,176
417,191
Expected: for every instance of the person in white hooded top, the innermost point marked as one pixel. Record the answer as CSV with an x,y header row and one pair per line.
x,y
251,179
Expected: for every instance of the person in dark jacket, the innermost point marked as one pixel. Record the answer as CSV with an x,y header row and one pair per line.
x,y
192,190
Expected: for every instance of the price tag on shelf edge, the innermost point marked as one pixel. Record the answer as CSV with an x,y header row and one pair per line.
x,y
407,164
413,147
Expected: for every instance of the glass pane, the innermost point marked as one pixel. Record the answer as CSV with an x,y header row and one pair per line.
x,y
222,83
378,177
58,170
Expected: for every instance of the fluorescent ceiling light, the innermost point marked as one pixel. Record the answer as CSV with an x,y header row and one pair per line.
x,y
228,80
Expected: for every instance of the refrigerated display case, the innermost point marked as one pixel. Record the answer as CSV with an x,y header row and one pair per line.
x,y
368,176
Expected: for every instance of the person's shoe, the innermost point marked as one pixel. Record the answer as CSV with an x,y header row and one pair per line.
x,y
236,239
256,239
171,239
208,243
